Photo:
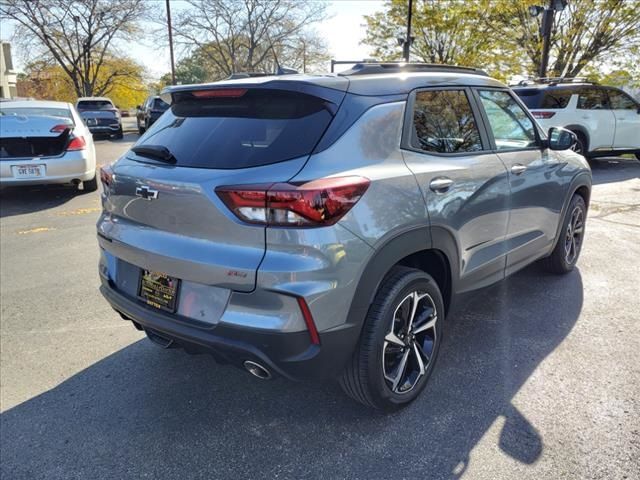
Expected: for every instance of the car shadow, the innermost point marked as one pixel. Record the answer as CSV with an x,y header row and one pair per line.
x,y
163,414
28,199
614,169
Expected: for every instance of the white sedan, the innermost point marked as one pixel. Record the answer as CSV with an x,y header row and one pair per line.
x,y
44,142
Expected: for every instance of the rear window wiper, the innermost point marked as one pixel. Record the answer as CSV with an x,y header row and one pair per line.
x,y
156,152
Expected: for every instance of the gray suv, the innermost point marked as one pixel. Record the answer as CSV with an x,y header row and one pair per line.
x,y
322,226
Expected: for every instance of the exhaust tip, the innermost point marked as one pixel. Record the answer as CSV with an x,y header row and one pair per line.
x,y
257,370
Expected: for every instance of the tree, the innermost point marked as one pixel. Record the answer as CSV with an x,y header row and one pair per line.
x,y
250,35
79,35
446,32
46,80
502,37
587,32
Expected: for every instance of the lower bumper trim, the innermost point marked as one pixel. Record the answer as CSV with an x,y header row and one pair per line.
x,y
290,355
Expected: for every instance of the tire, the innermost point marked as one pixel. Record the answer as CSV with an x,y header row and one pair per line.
x,y
366,378
141,129
581,145
566,252
90,185
120,134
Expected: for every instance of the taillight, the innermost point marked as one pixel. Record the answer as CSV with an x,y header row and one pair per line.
x,y
60,128
106,175
76,143
312,204
543,115
220,93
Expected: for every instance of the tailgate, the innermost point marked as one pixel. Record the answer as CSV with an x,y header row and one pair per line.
x,y
163,214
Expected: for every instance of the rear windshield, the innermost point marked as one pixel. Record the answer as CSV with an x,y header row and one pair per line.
x,y
259,128
159,104
550,98
38,111
94,104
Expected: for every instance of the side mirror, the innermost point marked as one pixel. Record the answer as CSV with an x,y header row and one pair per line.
x,y
139,107
561,138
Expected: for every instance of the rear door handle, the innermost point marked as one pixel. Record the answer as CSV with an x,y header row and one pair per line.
x,y
441,184
518,169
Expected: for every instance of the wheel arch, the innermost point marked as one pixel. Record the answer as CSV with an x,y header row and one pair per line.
x,y
582,130
431,250
581,185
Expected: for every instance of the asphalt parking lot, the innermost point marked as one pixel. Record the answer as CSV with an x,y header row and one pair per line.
x,y
539,376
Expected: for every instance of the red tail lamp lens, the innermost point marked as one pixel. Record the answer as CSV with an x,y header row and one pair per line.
x,y
106,175
76,143
543,115
60,128
312,204
220,93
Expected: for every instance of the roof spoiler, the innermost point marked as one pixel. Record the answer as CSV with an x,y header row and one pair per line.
x,y
171,94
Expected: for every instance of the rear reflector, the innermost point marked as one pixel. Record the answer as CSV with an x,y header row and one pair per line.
x,y
543,115
308,319
76,143
312,204
220,93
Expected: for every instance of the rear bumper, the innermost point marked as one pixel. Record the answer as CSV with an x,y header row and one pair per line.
x,y
105,129
76,165
290,355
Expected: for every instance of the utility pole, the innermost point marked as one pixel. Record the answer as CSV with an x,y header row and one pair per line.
x,y
546,25
304,56
173,67
545,30
407,43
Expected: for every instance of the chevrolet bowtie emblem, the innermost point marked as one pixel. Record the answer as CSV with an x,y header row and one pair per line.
x,y
146,193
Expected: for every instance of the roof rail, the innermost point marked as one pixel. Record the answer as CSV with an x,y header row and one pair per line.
x,y
279,71
237,75
553,81
367,68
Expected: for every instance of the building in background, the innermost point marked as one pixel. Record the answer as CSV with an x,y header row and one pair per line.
x,y
7,74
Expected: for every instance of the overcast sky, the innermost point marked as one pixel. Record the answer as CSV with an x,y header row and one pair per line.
x,y
342,31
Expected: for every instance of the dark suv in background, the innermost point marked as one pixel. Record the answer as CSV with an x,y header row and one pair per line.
x,y
310,226
149,112
101,116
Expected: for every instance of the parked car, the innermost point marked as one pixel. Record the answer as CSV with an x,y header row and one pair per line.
x,y
322,226
45,143
149,112
606,120
101,116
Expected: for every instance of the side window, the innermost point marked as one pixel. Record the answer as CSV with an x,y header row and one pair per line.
x,y
556,98
443,122
593,99
621,101
510,124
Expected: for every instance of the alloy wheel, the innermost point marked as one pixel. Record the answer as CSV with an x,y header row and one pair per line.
x,y
578,147
574,234
410,343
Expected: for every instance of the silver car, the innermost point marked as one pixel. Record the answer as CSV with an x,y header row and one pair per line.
x,y
44,142
322,226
